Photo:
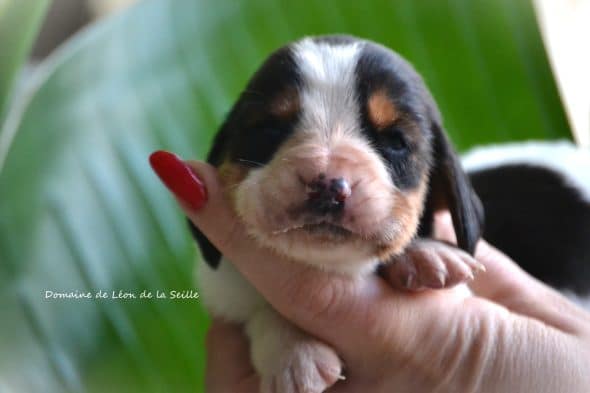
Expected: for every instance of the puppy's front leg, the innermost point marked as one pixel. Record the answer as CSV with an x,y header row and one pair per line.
x,y
430,263
287,359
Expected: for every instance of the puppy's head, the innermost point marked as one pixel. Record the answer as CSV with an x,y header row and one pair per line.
x,y
333,151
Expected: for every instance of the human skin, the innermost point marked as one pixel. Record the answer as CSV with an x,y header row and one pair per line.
x,y
513,335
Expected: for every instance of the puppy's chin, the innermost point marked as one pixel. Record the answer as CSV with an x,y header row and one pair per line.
x,y
325,247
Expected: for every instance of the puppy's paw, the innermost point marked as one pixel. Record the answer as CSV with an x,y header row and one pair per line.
x,y
287,359
431,264
306,366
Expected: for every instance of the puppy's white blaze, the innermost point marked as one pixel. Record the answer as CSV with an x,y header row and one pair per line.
x,y
328,97
563,157
322,61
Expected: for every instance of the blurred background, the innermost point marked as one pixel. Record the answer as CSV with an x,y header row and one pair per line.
x,y
88,88
65,17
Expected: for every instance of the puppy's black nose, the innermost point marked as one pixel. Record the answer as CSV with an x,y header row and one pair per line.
x,y
327,196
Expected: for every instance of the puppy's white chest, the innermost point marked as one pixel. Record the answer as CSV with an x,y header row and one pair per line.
x,y
226,293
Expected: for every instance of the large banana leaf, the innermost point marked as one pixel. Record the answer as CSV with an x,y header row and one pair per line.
x,y
81,210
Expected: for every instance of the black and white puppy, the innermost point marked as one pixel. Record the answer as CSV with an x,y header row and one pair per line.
x,y
334,156
537,201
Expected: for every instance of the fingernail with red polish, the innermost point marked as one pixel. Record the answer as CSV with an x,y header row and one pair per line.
x,y
179,178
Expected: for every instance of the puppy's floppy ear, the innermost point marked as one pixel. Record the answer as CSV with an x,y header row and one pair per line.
x,y
450,188
209,252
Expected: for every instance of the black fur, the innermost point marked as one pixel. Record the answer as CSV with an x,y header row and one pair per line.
x,y
210,253
540,221
254,135
251,134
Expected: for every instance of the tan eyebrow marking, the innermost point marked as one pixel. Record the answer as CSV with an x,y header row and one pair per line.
x,y
285,104
382,111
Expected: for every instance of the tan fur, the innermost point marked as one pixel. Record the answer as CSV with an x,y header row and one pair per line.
x,y
382,111
407,210
231,175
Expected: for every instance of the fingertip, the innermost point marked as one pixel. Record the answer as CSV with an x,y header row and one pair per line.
x,y
179,178
207,173
443,227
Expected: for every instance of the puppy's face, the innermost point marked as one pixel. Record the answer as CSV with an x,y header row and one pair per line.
x,y
326,155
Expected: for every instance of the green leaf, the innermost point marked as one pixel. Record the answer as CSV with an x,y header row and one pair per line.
x,y
81,210
19,22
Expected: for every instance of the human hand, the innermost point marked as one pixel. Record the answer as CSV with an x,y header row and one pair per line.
x,y
514,335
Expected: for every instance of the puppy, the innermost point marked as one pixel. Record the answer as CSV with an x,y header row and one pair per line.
x,y
537,201
334,156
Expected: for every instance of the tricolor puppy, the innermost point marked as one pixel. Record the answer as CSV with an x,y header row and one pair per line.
x,y
335,156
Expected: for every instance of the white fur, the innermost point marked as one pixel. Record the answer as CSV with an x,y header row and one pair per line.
x,y
328,98
572,162
226,293
286,358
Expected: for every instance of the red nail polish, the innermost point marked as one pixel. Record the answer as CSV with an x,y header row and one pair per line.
x,y
179,178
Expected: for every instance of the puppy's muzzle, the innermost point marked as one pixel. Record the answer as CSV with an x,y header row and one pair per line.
x,y
327,196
